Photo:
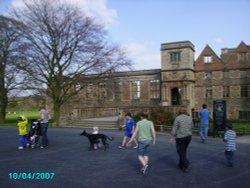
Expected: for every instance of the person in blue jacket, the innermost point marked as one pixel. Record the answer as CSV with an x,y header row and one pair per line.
x,y
129,129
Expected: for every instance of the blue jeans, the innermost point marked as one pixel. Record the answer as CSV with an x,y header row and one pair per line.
x,y
22,140
45,141
230,157
203,132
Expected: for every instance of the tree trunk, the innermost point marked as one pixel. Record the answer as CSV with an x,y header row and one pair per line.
x,y
3,106
56,112
3,99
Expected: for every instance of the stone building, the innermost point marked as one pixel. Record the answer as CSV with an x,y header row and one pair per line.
x,y
182,80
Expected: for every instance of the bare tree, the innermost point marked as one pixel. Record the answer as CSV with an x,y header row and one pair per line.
x,y
64,47
10,47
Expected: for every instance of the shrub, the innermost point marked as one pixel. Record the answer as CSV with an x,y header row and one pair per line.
x,y
162,117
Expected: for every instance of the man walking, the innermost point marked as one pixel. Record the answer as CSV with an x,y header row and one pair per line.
x,y
204,123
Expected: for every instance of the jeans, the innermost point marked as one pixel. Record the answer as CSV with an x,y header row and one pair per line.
x,y
45,141
22,140
203,132
181,147
230,157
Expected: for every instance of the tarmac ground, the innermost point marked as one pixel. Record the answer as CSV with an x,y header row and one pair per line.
x,y
70,163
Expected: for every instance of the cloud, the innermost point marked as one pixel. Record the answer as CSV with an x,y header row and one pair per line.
x,y
143,56
218,40
94,8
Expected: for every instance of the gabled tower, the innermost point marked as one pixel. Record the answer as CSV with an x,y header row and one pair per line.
x,y
177,62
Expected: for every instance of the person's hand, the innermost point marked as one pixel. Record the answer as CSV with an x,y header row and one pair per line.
x,y
172,139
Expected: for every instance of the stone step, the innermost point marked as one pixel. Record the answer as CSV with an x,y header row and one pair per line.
x,y
104,123
94,125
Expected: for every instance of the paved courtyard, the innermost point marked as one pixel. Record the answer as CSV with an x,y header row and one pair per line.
x,y
73,166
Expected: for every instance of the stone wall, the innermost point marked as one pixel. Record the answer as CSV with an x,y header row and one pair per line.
x,y
196,82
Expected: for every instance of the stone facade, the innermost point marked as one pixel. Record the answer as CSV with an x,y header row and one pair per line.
x,y
226,77
133,91
180,81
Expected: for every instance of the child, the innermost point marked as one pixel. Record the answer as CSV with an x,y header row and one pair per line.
x,y
230,146
129,129
34,133
97,142
22,124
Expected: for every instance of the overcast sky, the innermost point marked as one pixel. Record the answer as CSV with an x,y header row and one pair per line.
x,y
142,25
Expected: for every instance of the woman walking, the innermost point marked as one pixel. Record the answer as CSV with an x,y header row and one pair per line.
x,y
182,133
146,136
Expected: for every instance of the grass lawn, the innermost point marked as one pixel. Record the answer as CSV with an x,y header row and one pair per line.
x,y
238,126
11,119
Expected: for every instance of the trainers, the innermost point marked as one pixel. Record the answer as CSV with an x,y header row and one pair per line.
x,y
135,147
120,147
144,170
188,169
20,147
41,147
27,145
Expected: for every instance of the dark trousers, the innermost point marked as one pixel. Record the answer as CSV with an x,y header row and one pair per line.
x,y
230,157
181,147
45,141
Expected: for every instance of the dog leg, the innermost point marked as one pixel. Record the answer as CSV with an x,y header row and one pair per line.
x,y
91,147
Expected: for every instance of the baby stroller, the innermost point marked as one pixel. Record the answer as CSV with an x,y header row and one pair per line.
x,y
34,133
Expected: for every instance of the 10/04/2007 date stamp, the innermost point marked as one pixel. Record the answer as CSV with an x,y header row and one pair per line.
x,y
31,175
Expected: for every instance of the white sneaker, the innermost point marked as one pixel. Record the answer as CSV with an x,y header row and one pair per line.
x,y
20,147
144,170
135,147
27,145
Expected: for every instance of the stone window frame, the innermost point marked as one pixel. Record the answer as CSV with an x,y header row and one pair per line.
x,y
242,57
136,89
78,87
208,59
245,91
209,92
244,115
89,90
226,91
102,90
118,89
175,57
154,89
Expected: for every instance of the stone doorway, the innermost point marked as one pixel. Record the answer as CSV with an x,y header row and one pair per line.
x,y
175,96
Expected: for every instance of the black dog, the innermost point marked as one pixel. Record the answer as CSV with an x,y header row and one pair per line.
x,y
93,138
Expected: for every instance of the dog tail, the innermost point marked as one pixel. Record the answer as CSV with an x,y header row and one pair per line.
x,y
112,138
